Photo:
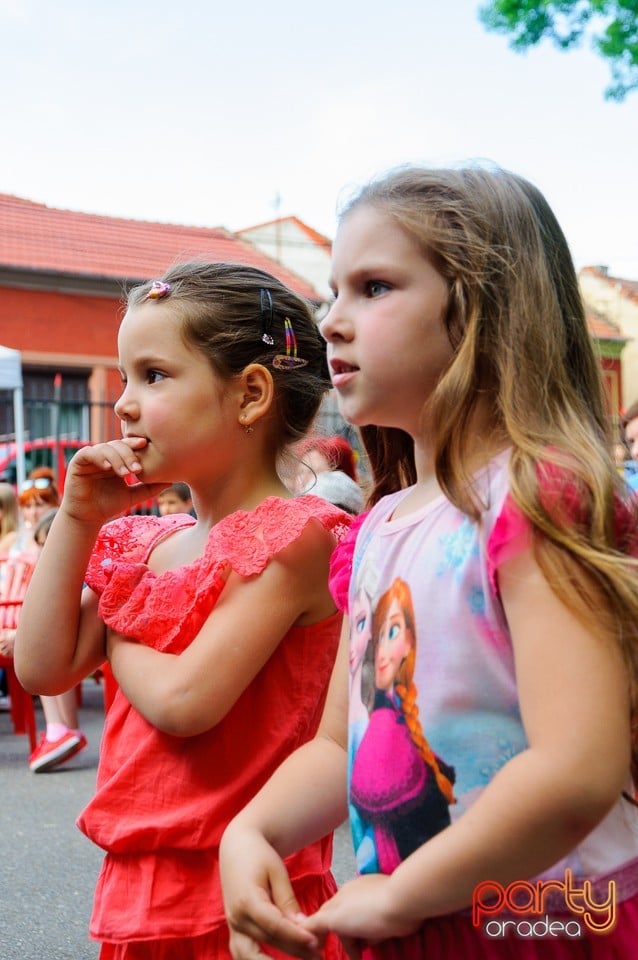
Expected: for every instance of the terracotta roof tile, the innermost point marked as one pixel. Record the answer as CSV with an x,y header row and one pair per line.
x,y
36,237
601,328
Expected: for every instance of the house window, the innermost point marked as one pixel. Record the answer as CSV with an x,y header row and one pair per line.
x,y
53,406
56,403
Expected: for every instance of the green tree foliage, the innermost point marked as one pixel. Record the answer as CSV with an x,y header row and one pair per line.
x,y
610,25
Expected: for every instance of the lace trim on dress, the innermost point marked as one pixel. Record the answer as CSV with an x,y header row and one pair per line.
x,y
165,610
248,539
129,538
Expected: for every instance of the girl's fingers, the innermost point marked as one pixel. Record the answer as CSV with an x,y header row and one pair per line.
x,y
263,922
105,479
118,456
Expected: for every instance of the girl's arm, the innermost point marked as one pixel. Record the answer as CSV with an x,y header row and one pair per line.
x,y
574,700
60,638
189,693
303,801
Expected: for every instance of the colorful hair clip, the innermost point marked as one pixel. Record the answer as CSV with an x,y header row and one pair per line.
x,y
266,316
158,290
289,360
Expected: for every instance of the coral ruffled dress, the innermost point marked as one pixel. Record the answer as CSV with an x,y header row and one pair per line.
x,y
162,802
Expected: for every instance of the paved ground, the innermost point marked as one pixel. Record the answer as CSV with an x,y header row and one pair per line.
x,y
47,867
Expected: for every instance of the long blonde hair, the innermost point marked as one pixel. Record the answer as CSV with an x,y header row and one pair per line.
x,y
516,322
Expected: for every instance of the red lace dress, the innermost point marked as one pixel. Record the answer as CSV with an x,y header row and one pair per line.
x,y
162,802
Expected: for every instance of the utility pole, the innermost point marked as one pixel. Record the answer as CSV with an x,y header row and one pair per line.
x,y
277,208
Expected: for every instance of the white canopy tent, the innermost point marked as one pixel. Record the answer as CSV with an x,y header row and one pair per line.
x,y
11,379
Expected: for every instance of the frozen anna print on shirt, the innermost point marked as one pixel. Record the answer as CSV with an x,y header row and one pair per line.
x,y
400,789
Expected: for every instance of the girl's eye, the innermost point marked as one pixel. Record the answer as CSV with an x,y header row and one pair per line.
x,y
374,288
154,375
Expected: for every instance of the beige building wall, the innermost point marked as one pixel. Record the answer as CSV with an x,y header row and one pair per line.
x,y
285,242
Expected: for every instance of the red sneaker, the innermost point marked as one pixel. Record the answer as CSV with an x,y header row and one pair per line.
x,y
51,753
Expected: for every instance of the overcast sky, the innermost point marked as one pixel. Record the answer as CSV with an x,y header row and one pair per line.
x,y
205,111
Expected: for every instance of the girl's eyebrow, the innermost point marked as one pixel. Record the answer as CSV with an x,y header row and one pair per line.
x,y
374,270
379,270
147,360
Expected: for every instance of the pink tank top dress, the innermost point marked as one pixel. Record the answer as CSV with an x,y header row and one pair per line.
x,y
162,802
433,576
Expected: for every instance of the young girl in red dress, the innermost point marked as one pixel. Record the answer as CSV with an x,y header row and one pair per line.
x,y
220,630
490,786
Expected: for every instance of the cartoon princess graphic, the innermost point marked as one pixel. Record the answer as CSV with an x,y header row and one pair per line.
x,y
397,782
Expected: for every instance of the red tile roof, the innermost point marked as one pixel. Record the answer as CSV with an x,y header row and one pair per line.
x,y
40,238
601,328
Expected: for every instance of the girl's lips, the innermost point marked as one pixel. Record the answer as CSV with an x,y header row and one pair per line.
x,y
341,373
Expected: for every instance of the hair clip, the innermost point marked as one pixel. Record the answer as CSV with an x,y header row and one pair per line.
x,y
289,360
158,290
265,300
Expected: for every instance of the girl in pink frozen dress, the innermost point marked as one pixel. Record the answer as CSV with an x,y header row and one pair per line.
x,y
220,630
457,342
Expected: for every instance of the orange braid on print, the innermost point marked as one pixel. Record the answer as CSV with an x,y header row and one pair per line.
x,y
407,696
404,685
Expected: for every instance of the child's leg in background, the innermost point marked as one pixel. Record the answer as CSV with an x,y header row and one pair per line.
x,y
62,738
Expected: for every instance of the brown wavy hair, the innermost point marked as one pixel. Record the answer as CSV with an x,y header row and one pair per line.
x,y
516,322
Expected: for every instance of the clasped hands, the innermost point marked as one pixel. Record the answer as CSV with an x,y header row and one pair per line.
x,y
261,908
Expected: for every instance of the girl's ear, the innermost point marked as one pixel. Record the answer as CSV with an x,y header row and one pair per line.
x,y
257,393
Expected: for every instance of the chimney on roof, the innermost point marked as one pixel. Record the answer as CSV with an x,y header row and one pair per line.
x,y
602,268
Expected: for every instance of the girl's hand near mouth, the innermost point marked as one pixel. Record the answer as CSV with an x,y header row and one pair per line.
x,y
98,483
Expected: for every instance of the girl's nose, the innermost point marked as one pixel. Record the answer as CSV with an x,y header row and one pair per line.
x,y
125,408
334,325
